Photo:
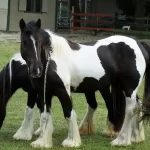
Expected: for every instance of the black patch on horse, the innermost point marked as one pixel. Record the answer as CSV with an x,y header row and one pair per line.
x,y
73,45
52,65
116,59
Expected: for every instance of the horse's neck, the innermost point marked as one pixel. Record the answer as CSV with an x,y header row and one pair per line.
x,y
61,49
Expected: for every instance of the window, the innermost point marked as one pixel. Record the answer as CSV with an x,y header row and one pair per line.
x,y
33,6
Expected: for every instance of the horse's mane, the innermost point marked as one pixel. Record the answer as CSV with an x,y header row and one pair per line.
x,y
59,44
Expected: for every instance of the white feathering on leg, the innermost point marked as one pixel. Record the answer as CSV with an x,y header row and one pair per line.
x,y
25,132
73,139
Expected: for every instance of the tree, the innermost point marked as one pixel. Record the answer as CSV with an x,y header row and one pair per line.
x,y
127,6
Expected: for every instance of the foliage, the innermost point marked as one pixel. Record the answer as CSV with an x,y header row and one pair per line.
x,y
127,6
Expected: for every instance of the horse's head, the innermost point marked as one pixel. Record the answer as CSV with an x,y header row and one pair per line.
x,y
31,43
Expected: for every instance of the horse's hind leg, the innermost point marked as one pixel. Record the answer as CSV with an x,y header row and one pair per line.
x,y
25,132
124,137
137,127
86,127
113,125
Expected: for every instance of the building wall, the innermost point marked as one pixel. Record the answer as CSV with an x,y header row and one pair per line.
x,y
3,14
48,18
104,6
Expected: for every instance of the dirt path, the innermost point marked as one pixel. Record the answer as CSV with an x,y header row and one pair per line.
x,y
76,36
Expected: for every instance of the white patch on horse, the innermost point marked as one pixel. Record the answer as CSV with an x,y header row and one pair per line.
x,y
25,132
137,127
140,61
73,139
75,65
45,139
33,40
16,57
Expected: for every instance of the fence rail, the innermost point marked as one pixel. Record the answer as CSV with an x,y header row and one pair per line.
x,y
92,21
108,22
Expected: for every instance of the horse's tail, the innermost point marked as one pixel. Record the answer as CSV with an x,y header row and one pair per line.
x,y
146,100
118,105
5,91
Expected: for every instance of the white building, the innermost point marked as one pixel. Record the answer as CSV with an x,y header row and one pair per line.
x,y
11,11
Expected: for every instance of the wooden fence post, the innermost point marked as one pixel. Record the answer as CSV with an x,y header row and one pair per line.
x,y
72,20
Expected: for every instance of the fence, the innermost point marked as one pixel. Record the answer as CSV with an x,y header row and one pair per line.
x,y
109,22
92,21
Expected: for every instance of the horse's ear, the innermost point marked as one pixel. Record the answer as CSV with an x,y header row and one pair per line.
x,y
22,25
38,23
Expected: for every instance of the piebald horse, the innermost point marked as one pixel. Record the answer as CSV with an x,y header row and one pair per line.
x,y
15,75
56,64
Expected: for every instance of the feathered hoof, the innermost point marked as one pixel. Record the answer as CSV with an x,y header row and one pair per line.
x,y
71,143
109,133
40,143
86,129
118,142
37,132
21,135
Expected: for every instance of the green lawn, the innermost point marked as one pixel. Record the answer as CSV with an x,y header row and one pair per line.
x,y
15,114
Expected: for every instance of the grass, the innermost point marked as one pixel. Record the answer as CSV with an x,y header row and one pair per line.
x,y
15,114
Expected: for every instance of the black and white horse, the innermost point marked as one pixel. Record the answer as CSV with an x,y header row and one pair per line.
x,y
56,64
15,75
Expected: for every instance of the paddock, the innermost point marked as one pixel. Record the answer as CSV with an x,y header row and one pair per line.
x,y
9,44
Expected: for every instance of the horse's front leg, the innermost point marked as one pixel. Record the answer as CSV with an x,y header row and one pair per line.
x,y
25,132
73,139
38,131
46,126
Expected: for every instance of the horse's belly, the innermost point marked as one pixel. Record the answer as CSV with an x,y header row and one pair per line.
x,y
87,67
88,84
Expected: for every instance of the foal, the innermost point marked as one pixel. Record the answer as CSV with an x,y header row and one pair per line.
x,y
54,66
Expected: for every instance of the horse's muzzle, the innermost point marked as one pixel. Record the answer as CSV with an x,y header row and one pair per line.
x,y
36,71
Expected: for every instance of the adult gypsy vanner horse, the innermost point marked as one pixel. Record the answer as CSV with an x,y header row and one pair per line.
x,y
56,64
15,75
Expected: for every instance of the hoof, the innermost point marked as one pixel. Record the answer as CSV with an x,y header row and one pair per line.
x,y
22,135
118,142
109,133
71,143
137,139
40,143
37,132
86,129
